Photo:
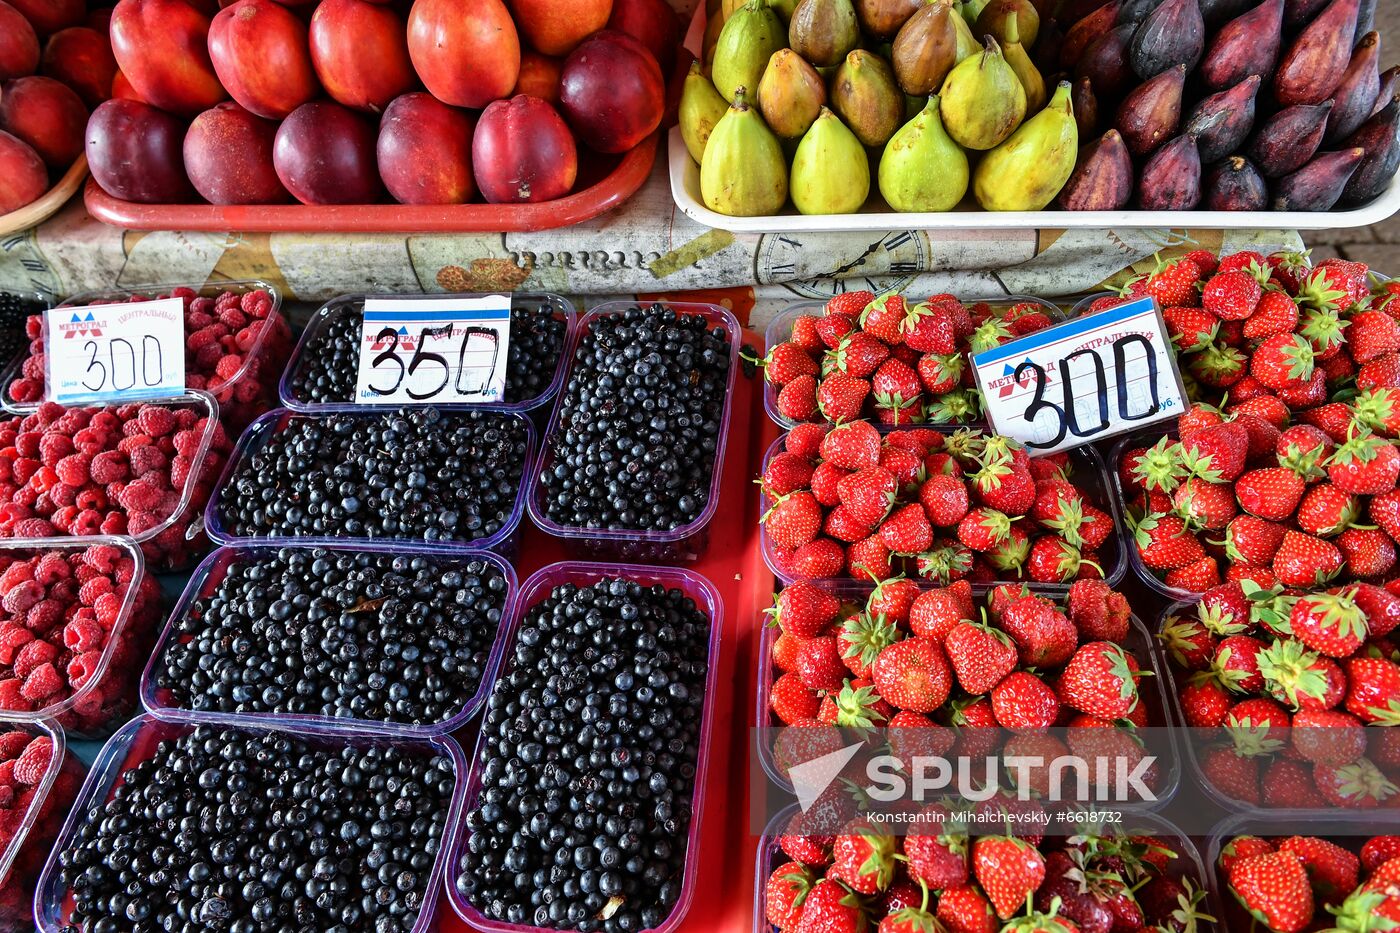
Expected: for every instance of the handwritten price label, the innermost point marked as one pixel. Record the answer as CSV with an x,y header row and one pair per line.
x,y
1084,380
115,353
434,351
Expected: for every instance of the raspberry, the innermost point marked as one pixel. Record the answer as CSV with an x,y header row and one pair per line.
x,y
256,304
12,639
13,743
94,588
146,459
83,635
33,528
73,469
11,695
34,761
44,615
179,472
63,494
201,305
34,327
132,441
227,300
186,294
208,357
53,448
108,607
247,338
91,498
17,573
86,523
156,421
32,655
108,467
204,337
229,366
51,568
187,443
138,523
140,496
21,597
24,468
7,776
26,390
104,421
233,318
114,524
33,367
103,557
44,681
71,422
25,497
82,667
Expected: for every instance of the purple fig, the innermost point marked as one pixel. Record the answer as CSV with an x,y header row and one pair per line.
x,y
1075,10
1366,17
1171,179
1216,12
1389,87
1105,62
1314,65
1150,115
1317,186
1085,31
1235,185
1221,123
1288,139
1135,11
1378,138
1046,55
1173,34
1086,107
1298,13
1103,177
1246,45
1355,98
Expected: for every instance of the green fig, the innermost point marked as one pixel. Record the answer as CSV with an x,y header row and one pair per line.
x,y
998,15
982,100
700,109
922,169
1025,69
971,9
748,40
864,94
968,45
791,94
743,173
830,173
824,31
1026,172
784,8
926,49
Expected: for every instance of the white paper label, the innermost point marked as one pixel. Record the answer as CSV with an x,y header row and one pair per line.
x,y
436,351
1083,380
115,353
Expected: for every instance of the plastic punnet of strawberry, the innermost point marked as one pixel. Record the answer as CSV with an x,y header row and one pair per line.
x,y
1276,333
958,673
1277,688
1237,495
853,501
1143,875
39,780
893,359
1287,876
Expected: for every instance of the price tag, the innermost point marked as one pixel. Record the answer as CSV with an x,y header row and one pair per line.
x,y
115,353
416,351
1084,380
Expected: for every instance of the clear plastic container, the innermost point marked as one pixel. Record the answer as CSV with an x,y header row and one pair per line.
x,y
261,430
683,544
1152,691
109,695
246,394
1187,865
1120,496
205,582
780,330
137,740
22,856
1088,472
542,303
536,589
1350,831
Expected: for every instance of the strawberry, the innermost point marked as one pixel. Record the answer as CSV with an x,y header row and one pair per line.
x,y
982,529
1378,850
1005,487
1281,361
791,700
940,375
858,354
841,397
1054,560
1204,702
1217,366
1206,261
1216,453
945,564
1257,726
1369,552
1373,693
1372,334
852,446
944,499
786,473
1236,663
1366,465
786,362
1246,261
842,524
868,494
806,336
910,919
1286,268
1337,283
1276,313
980,656
784,894
1023,703
1326,510
1359,785
906,465
863,857
805,440
797,401
1303,560
1300,677
883,316
1379,410
861,638
966,910
1164,543
819,665
907,531
913,675
1044,636
1191,329
1252,540
1009,869
869,559
834,327
831,907
1234,775
849,303
785,652
815,561
936,612
1173,284
1101,680
1288,784
1189,643
826,479
1333,419
930,328
793,520
893,599
1205,505
804,610
1332,624
936,855
1274,888
1384,510
1328,737
1270,493
1231,296
1099,612
1381,373
1195,577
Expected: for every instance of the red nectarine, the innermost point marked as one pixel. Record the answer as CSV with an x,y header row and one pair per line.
x,y
466,52
612,92
360,53
81,58
134,151
228,156
324,154
556,27
260,52
48,115
523,152
162,46
22,176
424,151
19,46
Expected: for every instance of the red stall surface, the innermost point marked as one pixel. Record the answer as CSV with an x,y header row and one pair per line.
x,y
723,901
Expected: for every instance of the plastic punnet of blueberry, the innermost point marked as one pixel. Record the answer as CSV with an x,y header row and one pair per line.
x,y
234,830
591,742
639,422
344,634
413,474
330,359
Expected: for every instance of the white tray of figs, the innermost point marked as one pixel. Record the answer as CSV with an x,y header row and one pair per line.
x,y
875,214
